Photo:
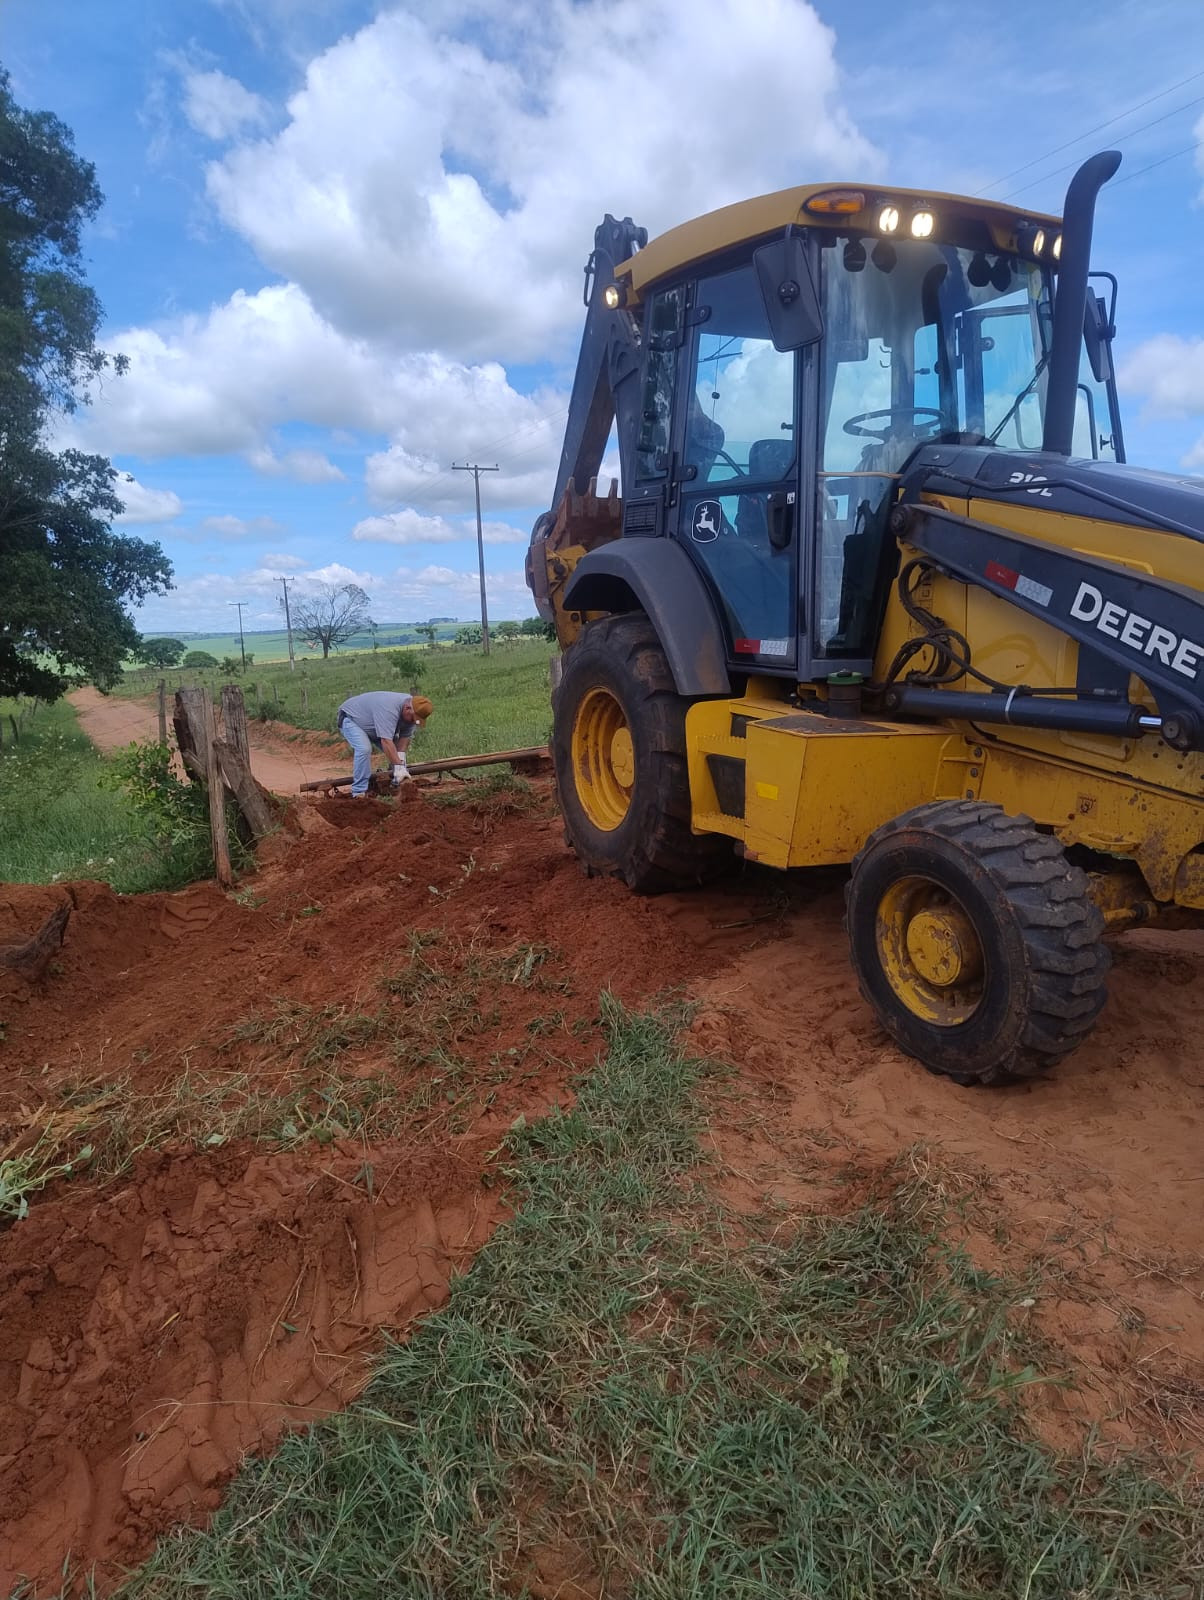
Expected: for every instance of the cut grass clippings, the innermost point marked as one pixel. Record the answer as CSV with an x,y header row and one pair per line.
x,y
293,1085
635,1393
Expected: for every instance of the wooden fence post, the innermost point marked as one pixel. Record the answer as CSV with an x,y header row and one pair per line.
x,y
305,697
162,710
217,798
234,721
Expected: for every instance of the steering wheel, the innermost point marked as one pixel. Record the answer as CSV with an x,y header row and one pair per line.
x,y
883,434
722,455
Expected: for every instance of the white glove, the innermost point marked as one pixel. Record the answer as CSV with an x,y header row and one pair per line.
x,y
401,773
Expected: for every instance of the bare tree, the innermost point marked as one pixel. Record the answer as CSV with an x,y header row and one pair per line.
x,y
331,614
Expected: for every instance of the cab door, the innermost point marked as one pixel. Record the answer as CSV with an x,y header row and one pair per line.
x,y
736,492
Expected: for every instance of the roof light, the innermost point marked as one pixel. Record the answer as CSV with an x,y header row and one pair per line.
x,y
1039,242
612,296
836,202
922,225
888,219
1057,248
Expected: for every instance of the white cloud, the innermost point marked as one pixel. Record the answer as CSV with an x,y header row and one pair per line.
x,y
336,572
228,527
1169,371
305,466
406,527
221,383
503,533
411,527
145,506
219,106
284,563
436,193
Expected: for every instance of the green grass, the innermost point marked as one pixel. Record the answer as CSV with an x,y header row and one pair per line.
x,y
495,702
60,820
682,1404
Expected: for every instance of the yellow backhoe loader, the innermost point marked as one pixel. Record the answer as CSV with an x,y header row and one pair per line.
x,y
881,590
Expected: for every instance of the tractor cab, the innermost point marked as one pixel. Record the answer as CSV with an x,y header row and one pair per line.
x,y
786,383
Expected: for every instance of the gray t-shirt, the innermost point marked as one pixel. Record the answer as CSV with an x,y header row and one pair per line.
x,y
378,713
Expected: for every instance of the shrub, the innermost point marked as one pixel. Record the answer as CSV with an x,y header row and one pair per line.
x,y
408,663
199,658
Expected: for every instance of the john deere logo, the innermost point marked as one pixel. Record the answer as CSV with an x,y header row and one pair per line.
x,y
708,519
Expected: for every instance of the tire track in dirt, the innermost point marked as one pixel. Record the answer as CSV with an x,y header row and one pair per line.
x,y
1093,1174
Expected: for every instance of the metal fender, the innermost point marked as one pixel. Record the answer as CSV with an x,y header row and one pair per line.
x,y
656,576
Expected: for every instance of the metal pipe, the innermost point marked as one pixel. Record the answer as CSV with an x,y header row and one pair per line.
x,y
1124,720
1070,301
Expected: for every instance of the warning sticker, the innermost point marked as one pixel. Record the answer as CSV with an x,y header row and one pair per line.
x,y
1032,590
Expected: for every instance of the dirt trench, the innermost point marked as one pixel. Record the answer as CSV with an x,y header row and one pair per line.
x,y
444,963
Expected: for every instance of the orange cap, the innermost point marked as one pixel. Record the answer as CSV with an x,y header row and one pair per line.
x,y
421,707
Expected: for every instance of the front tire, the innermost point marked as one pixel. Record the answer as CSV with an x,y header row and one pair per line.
x,y
976,942
619,747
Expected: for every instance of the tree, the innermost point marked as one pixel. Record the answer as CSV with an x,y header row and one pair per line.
x,y
161,652
200,658
507,631
66,579
331,615
230,666
537,628
469,636
428,631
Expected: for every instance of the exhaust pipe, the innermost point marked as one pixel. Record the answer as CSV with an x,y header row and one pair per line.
x,y
1070,300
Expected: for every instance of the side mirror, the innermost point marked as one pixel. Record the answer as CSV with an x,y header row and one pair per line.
x,y
791,303
1097,335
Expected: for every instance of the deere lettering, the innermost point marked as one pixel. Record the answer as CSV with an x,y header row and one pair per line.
x,y
1142,634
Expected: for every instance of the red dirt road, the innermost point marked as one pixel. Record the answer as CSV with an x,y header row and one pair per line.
x,y
279,764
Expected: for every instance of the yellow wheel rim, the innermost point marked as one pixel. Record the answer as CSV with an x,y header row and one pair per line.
x,y
603,760
930,951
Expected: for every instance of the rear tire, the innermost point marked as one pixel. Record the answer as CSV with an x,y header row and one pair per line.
x,y
619,747
976,942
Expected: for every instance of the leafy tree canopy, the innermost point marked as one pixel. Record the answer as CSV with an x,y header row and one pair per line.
x,y
199,658
160,652
65,577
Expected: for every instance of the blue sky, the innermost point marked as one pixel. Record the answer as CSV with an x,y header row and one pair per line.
x,y
342,241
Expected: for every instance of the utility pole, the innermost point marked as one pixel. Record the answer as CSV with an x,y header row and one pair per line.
x,y
242,644
476,478
288,623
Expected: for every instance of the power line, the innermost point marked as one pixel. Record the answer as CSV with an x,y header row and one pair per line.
x,y
1099,128
1187,150
1132,134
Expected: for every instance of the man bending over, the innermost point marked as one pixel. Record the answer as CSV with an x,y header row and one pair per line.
x,y
385,721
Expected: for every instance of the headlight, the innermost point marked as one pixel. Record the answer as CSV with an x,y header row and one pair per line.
x,y
922,225
888,219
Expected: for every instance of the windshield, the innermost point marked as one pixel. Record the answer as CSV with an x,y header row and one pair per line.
x,y
925,339
922,341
